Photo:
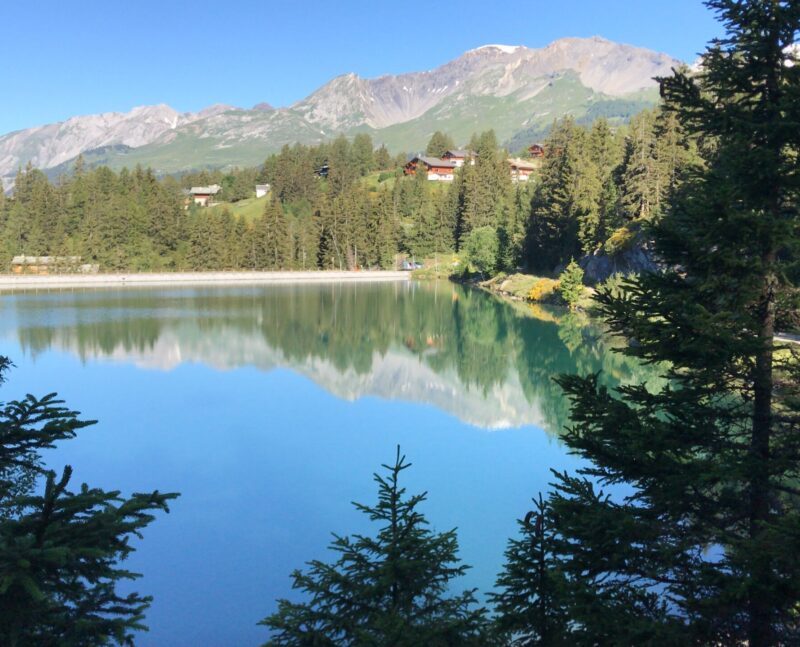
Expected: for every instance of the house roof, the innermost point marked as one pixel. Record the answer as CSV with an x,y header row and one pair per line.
x,y
522,164
459,153
213,189
436,161
264,187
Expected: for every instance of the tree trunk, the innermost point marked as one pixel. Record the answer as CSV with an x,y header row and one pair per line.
x,y
760,621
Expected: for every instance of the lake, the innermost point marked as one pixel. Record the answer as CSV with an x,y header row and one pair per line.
x,y
269,407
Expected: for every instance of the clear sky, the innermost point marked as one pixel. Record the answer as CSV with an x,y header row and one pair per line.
x,y
66,57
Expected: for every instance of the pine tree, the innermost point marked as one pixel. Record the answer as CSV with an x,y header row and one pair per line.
x,y
390,589
363,154
383,160
529,605
439,144
272,234
697,542
59,549
571,284
552,235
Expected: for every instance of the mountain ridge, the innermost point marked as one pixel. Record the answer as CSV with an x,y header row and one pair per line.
x,y
518,88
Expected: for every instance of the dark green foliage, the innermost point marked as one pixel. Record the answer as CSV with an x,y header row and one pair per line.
x,y
566,194
274,244
439,144
482,249
390,589
59,549
529,607
383,160
132,221
595,180
571,284
683,530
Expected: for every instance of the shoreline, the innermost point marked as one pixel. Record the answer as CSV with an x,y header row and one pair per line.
x,y
16,282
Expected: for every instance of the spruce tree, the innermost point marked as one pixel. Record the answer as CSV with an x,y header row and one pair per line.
x,y
552,235
683,529
529,604
383,161
571,284
272,234
60,550
390,589
439,144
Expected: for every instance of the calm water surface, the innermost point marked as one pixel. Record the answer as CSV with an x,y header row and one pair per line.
x,y
269,408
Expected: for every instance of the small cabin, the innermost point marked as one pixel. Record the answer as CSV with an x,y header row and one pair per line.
x,y
204,195
44,265
437,169
536,151
522,169
459,156
262,190
322,171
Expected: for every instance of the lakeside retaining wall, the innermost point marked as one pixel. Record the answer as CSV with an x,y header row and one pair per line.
x,y
23,282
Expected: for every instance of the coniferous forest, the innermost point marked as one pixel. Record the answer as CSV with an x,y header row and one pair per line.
x,y
597,188
682,528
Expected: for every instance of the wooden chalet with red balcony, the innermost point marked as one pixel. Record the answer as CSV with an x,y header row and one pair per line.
x,y
522,169
459,156
437,169
536,151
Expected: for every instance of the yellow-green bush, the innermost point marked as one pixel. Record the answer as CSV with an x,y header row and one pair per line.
x,y
620,240
543,290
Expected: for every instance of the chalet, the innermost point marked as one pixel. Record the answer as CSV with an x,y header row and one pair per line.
x,y
536,151
43,265
436,168
521,169
459,156
262,190
203,195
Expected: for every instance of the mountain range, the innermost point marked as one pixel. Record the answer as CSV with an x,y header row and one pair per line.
x,y
516,90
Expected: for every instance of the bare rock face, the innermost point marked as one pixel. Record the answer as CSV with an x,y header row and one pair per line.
x,y
48,146
348,102
492,70
600,266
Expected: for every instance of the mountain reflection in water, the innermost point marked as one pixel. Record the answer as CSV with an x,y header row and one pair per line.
x,y
488,362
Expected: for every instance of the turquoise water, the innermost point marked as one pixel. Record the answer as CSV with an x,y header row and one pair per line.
x,y
269,408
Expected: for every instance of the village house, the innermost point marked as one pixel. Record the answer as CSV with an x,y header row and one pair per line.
x,y
202,195
437,169
262,190
43,265
522,169
459,156
536,151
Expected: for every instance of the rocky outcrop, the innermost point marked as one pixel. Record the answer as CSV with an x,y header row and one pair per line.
x,y
599,266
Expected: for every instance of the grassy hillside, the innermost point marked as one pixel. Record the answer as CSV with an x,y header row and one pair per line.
x,y
249,209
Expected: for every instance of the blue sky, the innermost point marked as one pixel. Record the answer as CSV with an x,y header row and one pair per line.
x,y
68,57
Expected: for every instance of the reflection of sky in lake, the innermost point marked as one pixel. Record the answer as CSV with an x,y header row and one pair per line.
x,y
267,461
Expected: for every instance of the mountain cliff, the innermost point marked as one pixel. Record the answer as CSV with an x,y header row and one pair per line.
x,y
516,90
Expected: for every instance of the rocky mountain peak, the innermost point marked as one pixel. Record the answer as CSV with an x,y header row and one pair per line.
x,y
493,86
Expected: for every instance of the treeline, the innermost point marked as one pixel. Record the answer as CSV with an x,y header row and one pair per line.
x,y
346,205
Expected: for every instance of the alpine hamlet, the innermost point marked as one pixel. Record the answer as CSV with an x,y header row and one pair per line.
x,y
442,169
